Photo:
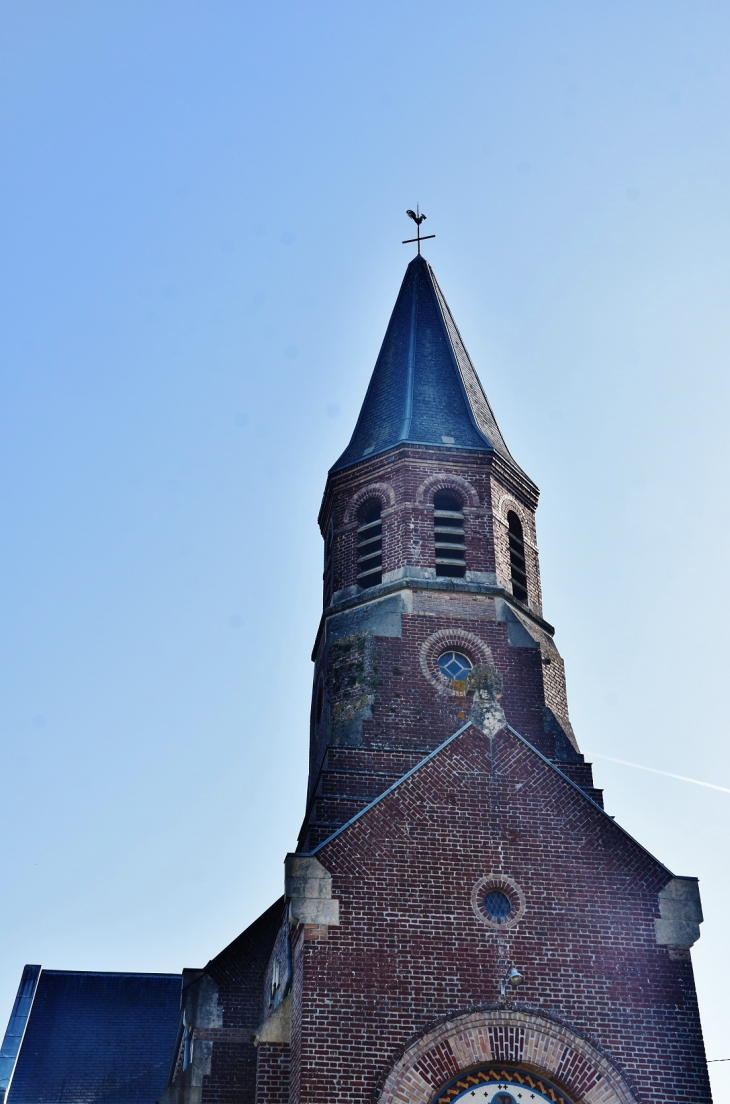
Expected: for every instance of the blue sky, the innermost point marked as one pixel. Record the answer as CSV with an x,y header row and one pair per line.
x,y
202,214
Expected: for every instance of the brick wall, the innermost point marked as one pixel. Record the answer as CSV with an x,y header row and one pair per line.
x,y
413,710
237,975
410,949
392,700
273,1073
405,480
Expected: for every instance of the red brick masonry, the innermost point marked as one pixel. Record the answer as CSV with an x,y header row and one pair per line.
x,y
410,951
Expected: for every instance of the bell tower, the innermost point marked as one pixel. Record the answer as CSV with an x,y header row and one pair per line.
x,y
432,602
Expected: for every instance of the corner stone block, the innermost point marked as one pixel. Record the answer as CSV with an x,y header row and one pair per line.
x,y
308,885
200,1005
681,913
277,1028
304,876
307,910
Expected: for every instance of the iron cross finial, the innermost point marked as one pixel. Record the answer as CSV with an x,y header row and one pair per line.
x,y
418,218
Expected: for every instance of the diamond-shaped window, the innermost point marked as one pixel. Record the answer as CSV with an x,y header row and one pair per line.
x,y
454,665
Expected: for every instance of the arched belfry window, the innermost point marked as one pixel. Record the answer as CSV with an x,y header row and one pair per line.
x,y
370,545
448,535
327,576
517,563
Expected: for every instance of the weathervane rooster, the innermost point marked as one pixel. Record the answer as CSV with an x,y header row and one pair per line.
x,y
418,218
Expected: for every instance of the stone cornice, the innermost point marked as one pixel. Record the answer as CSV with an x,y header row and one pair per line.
x,y
444,585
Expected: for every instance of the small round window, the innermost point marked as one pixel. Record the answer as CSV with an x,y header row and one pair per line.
x,y
454,665
497,906
498,901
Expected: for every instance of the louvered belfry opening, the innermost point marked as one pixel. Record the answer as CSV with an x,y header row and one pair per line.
x,y
517,557
370,545
448,534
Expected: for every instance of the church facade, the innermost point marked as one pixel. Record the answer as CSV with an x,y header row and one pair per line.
x,y
461,919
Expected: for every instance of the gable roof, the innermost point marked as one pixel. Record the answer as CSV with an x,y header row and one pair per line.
x,y
432,755
101,1037
246,956
16,1026
424,388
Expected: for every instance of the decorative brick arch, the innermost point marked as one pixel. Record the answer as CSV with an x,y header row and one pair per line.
x,y
383,491
530,1040
508,502
461,641
445,481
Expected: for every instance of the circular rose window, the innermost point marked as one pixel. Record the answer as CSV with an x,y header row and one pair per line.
x,y
498,901
455,666
497,905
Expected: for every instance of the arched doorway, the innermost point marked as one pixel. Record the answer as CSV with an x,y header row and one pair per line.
x,y
504,1057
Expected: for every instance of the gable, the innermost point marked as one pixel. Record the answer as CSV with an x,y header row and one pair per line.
x,y
588,926
490,764
412,865
222,1005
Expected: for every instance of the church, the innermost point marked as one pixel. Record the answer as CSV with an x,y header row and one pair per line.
x,y
460,919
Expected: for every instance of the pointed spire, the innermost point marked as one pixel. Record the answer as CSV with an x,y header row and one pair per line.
x,y
424,388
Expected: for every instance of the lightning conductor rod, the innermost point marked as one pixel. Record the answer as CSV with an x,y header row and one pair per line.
x,y
418,218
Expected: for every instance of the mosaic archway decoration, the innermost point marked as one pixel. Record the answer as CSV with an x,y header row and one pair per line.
x,y
503,1056
500,1085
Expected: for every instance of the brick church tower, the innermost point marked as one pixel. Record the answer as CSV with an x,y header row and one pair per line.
x,y
461,919
432,580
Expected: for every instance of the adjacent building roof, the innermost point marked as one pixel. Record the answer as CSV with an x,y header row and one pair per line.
x,y
424,388
16,1026
78,1037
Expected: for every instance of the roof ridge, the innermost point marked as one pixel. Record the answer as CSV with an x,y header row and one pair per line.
x,y
583,794
390,789
476,397
108,973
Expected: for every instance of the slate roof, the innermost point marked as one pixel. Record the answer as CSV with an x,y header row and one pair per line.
x,y
424,388
16,1026
106,1038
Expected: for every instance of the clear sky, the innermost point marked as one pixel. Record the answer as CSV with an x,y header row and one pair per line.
x,y
202,210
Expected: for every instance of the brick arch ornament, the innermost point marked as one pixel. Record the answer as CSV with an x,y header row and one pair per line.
x,y
383,491
508,502
527,1040
446,481
461,641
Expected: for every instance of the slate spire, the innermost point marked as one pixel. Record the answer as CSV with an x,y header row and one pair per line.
x,y
424,388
